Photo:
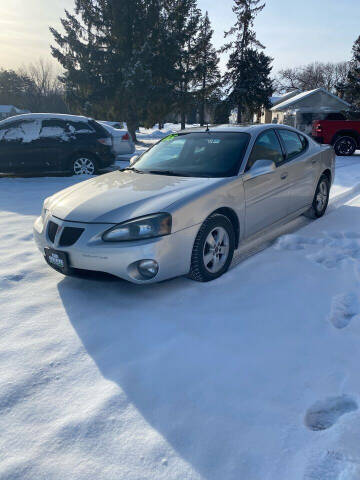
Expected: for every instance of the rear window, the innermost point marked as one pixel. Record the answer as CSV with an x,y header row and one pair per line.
x,y
332,116
81,127
99,129
294,143
335,116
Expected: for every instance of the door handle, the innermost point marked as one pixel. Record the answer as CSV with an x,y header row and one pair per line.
x,y
313,161
284,176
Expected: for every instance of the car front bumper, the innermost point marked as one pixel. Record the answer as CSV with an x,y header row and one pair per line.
x,y
172,252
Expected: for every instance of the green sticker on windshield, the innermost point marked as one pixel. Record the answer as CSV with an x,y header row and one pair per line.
x,y
170,137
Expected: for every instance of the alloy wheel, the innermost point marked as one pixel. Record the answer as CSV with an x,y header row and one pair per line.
x,y
322,196
216,249
345,146
84,166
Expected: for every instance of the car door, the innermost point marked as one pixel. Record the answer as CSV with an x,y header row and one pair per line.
x,y
266,194
53,143
302,167
14,145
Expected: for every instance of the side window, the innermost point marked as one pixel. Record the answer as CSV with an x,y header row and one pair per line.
x,y
293,143
80,127
21,131
54,128
304,141
267,147
13,133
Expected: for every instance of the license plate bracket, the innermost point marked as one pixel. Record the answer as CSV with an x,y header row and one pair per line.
x,y
57,260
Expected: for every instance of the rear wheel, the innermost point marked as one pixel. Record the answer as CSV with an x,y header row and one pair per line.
x,y
213,249
321,199
84,165
345,146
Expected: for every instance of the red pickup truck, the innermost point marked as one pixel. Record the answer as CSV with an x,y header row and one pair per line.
x,y
343,134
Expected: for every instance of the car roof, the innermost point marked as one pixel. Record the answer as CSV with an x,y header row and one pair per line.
x,y
45,116
252,128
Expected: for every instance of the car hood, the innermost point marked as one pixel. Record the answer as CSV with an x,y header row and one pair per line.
x,y
119,196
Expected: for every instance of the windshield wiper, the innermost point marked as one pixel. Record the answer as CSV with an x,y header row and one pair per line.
x,y
131,169
168,172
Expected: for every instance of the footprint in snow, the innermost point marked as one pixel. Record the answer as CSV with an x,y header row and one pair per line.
x,y
330,250
324,414
9,279
344,308
332,465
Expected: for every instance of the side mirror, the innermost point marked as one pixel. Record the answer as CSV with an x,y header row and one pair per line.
x,y
133,159
262,167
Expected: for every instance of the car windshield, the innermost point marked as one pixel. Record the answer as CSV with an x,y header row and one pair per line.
x,y
205,154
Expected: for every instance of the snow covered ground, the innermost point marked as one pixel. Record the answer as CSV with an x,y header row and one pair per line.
x,y
254,376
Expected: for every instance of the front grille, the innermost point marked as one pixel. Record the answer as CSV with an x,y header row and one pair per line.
x,y
52,229
70,236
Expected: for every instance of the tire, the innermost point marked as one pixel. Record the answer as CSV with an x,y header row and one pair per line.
x,y
213,249
345,146
321,199
84,164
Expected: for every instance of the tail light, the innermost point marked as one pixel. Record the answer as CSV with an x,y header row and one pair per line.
x,y
126,137
105,141
317,128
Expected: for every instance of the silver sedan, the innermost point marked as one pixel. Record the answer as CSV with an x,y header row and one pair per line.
x,y
186,204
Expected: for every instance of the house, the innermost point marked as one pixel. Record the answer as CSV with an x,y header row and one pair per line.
x,y
9,111
267,115
264,116
302,109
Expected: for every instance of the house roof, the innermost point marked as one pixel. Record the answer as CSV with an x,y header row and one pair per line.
x,y
281,98
293,100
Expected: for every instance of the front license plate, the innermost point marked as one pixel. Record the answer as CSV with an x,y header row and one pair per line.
x,y
57,260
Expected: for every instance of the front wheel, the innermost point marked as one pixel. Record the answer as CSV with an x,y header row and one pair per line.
x,y
345,146
321,199
83,165
213,249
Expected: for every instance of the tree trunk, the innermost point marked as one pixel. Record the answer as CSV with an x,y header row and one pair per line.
x,y
132,126
203,100
183,121
239,113
202,114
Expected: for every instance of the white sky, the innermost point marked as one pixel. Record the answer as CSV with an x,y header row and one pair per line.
x,y
293,32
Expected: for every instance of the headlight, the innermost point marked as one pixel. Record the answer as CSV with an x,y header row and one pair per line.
x,y
151,226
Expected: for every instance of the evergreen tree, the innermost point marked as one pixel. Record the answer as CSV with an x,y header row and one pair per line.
x,y
15,88
351,88
248,70
105,52
222,112
208,76
183,19
161,64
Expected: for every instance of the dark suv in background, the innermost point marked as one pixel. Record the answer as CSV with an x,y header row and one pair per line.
x,y
54,143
